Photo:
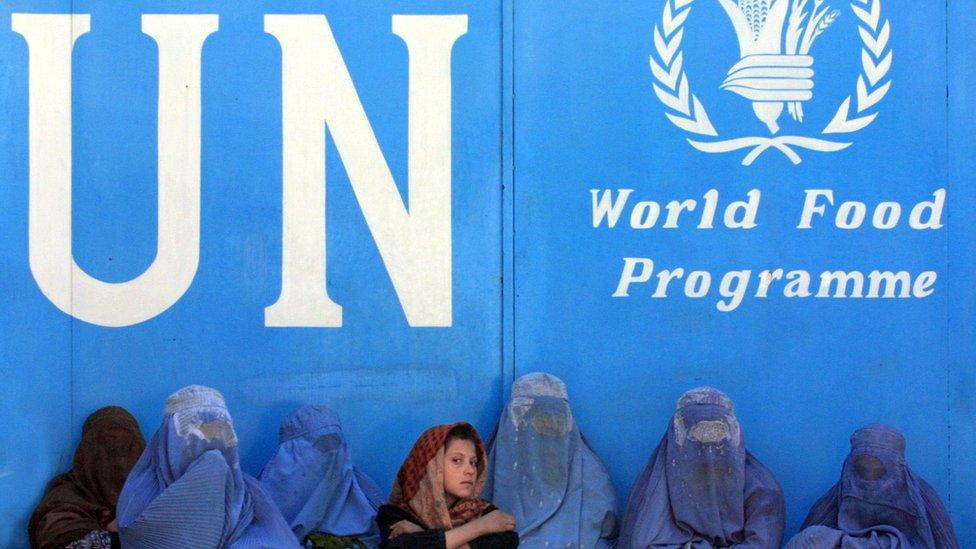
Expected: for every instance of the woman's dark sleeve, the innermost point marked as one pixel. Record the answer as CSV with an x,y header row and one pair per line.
x,y
503,540
389,515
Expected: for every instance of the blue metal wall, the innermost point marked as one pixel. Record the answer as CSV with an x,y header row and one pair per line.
x,y
550,100
962,262
804,372
387,380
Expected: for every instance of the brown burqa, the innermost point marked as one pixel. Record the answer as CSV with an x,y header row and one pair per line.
x,y
83,499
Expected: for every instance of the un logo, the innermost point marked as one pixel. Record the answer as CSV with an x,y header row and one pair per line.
x,y
775,73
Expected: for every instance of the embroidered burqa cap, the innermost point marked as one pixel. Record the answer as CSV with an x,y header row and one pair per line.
x,y
419,485
702,488
545,474
83,499
878,503
188,490
314,483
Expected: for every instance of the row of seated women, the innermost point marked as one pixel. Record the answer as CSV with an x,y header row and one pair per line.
x,y
543,486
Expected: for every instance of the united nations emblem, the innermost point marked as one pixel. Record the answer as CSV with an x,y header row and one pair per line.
x,y
775,73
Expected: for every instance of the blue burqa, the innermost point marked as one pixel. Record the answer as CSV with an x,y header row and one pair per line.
x,y
879,502
312,479
701,487
546,475
187,489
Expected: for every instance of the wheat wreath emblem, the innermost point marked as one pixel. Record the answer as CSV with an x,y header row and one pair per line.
x,y
775,72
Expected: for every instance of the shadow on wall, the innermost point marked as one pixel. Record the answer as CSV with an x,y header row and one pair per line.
x,y
26,458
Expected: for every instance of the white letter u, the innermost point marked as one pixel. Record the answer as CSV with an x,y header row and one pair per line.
x,y
50,40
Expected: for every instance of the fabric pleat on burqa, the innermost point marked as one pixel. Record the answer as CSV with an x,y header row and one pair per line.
x,y
83,500
188,490
313,481
879,503
546,475
702,488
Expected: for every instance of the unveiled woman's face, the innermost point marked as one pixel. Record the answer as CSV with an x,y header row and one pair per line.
x,y
460,468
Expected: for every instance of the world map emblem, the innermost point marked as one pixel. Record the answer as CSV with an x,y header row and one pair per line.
x,y
776,74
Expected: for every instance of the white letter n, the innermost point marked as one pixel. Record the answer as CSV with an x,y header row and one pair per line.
x,y
414,241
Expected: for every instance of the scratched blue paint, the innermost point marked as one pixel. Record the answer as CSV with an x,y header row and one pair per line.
x,y
409,385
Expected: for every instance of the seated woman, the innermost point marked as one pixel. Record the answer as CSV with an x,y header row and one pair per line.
x,y
187,489
325,499
879,502
701,487
435,501
78,507
543,469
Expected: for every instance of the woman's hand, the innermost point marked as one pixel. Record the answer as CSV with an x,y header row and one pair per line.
x,y
112,526
497,522
404,527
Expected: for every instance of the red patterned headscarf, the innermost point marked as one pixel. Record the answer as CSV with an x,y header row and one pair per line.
x,y
419,486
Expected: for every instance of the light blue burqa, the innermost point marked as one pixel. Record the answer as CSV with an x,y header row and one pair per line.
x,y
545,474
312,479
187,489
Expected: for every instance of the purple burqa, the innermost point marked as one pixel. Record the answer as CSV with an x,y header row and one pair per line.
x,y
879,503
701,487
